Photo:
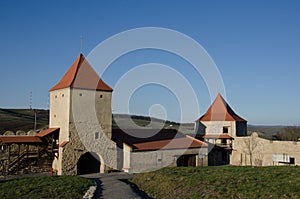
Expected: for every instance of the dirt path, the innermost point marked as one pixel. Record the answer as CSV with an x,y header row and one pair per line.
x,y
116,186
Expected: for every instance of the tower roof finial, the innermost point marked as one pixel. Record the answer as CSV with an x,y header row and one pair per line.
x,y
81,38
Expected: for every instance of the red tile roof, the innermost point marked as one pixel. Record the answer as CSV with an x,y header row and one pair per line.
x,y
63,143
177,143
47,132
19,139
134,136
217,136
81,75
220,111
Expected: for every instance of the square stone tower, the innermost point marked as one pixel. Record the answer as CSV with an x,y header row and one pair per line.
x,y
218,127
220,119
80,105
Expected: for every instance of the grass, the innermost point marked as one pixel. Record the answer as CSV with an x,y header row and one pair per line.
x,y
45,187
221,182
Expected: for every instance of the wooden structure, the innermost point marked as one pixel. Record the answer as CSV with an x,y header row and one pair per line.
x,y
23,153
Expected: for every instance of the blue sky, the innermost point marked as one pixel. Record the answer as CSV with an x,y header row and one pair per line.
x,y
255,45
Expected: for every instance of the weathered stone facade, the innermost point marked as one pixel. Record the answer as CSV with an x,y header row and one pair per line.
x,y
256,151
80,105
144,161
88,130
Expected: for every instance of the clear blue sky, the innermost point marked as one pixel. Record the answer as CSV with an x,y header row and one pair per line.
x,y
255,45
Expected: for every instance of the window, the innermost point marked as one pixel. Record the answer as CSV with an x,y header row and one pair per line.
x,y
62,95
96,135
80,94
55,96
101,96
224,141
54,115
225,129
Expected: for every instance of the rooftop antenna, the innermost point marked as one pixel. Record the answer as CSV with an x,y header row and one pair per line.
x,y
48,101
34,127
81,43
30,100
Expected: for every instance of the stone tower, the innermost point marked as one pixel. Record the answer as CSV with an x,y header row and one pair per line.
x,y
80,105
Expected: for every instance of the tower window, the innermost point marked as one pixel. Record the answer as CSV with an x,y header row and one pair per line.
x,y
96,135
55,96
225,129
101,96
63,95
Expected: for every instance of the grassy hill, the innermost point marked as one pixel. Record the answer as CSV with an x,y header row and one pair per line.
x,y
22,119
221,182
124,121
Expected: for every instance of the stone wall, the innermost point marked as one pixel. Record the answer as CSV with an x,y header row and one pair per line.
x,y
216,127
60,112
85,121
153,160
256,151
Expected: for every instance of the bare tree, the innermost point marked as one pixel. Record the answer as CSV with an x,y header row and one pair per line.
x,y
252,146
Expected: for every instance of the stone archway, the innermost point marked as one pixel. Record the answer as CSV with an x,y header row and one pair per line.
x,y
89,162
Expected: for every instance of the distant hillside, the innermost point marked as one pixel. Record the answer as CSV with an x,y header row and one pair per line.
x,y
124,121
22,119
288,133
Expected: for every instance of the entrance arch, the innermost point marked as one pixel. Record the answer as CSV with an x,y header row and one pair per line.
x,y
88,163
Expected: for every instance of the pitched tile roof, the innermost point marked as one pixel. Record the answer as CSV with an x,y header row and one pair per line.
x,y
217,136
47,132
221,111
63,143
19,139
153,139
134,136
177,143
81,75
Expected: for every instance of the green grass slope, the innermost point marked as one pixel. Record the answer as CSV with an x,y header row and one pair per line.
x,y
45,187
221,182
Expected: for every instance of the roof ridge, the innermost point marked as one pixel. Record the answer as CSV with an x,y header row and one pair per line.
x,y
77,67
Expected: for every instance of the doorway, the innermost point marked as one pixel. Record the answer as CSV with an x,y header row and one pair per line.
x,y
186,161
88,163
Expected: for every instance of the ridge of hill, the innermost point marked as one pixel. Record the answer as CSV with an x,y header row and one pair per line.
x,y
23,119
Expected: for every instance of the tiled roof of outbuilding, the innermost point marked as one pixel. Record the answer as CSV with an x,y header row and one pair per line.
x,y
47,132
177,143
6,139
153,139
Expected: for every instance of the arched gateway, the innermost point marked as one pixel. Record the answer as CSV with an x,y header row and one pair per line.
x,y
89,162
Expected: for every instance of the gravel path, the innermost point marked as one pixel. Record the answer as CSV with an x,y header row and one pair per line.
x,y
116,186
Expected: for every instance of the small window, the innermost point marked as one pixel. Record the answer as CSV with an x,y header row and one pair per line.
x,y
54,115
224,141
63,95
80,94
55,96
96,135
101,96
225,129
